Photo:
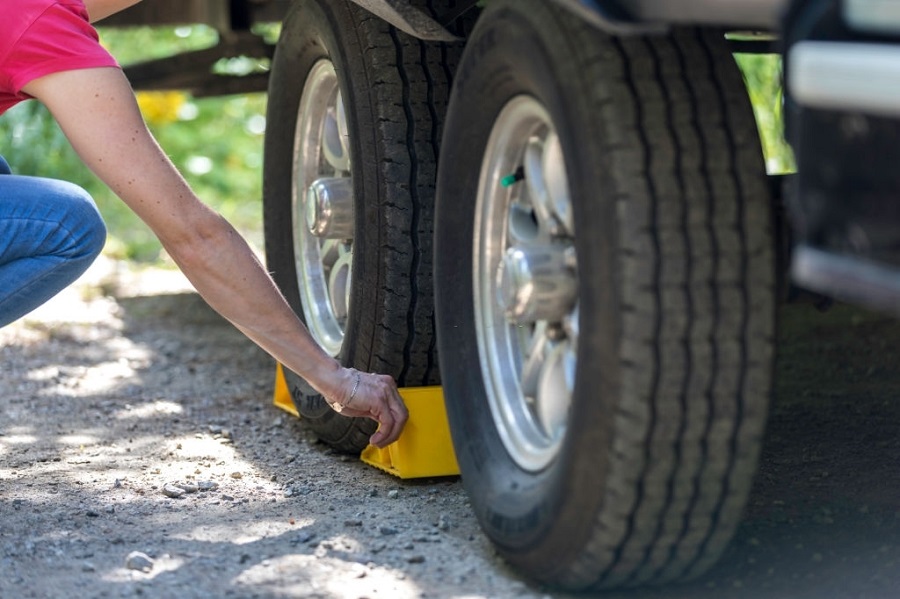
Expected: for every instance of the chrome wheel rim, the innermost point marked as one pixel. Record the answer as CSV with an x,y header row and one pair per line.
x,y
525,283
322,210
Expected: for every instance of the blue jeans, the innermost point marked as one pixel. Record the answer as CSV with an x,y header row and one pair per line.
x,y
50,232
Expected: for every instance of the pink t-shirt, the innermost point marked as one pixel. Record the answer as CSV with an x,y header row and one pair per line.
x,y
41,37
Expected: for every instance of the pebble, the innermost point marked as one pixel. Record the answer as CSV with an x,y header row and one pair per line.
x,y
387,530
139,561
378,547
416,559
172,491
393,494
443,523
303,538
188,487
236,475
207,485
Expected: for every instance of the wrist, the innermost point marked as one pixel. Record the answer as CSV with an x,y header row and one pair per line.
x,y
338,404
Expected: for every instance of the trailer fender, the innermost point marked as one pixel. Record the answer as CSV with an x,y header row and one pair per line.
x,y
409,19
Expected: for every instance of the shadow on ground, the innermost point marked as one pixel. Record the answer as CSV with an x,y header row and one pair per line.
x,y
99,414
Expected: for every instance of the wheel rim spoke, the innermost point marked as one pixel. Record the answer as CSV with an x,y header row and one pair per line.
x,y
333,139
339,285
553,167
539,203
554,389
535,354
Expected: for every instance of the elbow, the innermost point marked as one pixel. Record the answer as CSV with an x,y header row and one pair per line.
x,y
200,242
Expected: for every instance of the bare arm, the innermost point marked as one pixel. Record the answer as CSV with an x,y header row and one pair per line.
x,y
97,111
100,9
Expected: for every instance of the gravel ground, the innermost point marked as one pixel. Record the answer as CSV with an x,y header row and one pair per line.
x,y
109,403
141,456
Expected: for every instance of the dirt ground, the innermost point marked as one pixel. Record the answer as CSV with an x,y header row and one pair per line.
x,y
128,383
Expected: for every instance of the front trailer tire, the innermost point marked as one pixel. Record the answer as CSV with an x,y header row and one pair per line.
x,y
639,470
368,299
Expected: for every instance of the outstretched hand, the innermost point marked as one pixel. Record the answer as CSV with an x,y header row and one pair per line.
x,y
373,396
108,132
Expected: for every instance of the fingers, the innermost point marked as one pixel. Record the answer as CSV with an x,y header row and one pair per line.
x,y
376,397
391,420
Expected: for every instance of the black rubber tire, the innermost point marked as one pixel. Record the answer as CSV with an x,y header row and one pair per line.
x,y
676,298
395,90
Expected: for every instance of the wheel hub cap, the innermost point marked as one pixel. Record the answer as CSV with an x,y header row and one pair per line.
x,y
329,208
535,283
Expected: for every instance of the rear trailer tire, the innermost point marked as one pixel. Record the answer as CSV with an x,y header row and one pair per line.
x,y
605,293
355,110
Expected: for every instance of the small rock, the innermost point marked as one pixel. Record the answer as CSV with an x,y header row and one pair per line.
x,y
188,487
207,485
237,475
92,514
303,537
139,561
353,523
172,491
416,559
393,493
387,530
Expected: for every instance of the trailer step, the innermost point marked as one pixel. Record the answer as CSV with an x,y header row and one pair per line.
x,y
845,76
847,278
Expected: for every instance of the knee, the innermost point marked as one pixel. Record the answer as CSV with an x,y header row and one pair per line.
x,y
83,223
94,236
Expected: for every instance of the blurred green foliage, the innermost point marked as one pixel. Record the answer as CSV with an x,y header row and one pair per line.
x,y
762,74
217,142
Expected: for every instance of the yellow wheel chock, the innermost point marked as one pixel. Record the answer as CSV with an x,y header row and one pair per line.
x,y
423,450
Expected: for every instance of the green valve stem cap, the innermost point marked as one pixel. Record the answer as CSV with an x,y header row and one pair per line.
x,y
514,178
